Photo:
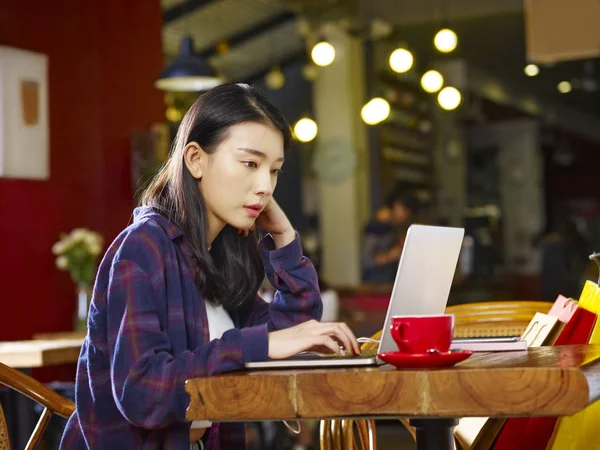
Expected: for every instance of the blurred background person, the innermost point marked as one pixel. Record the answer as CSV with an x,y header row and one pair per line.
x,y
384,236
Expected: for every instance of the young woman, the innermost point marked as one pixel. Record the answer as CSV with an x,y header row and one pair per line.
x,y
175,294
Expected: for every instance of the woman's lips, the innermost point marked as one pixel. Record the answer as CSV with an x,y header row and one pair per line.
x,y
252,211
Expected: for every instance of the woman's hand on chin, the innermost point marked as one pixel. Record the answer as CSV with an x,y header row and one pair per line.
x,y
273,220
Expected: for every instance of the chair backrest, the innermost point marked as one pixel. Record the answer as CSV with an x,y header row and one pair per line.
x,y
4,441
52,402
497,318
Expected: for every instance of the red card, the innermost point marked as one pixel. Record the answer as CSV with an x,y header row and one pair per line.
x,y
578,329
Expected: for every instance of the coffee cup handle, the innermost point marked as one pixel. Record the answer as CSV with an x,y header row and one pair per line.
x,y
400,331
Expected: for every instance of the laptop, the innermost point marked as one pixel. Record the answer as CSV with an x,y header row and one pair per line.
x,y
421,287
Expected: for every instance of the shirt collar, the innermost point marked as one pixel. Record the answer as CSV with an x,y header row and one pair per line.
x,y
145,212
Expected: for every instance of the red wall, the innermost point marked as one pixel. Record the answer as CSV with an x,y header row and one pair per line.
x,y
104,56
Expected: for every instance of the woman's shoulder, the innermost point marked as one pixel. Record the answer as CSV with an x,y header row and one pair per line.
x,y
147,241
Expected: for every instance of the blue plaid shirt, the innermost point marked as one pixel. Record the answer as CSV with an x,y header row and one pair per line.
x,y
148,333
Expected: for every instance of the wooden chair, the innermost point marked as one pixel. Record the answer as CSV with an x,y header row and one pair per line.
x,y
501,318
52,402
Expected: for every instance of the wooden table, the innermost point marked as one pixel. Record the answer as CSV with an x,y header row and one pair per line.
x,y
40,353
59,335
26,355
545,381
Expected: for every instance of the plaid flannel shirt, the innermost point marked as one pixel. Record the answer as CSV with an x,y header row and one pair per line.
x,y
148,333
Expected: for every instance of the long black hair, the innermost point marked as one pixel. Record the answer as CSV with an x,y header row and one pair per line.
x,y
230,273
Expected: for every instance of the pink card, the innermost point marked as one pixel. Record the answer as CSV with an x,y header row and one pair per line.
x,y
563,308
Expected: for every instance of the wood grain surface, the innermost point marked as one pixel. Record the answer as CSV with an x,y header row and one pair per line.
x,y
543,381
39,353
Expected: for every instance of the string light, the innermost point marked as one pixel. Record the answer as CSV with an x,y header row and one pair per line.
x,y
401,60
305,129
375,111
564,87
275,79
432,81
445,40
449,98
323,53
310,71
531,70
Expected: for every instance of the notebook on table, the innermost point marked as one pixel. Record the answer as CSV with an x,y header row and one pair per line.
x,y
489,344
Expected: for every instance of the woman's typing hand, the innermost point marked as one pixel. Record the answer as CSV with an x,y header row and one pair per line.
x,y
328,337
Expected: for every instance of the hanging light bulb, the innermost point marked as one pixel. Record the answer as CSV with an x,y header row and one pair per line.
x,y
449,98
375,111
445,40
275,79
305,129
531,70
173,114
310,72
323,53
432,81
564,87
401,60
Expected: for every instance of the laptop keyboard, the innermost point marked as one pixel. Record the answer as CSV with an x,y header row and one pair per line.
x,y
371,353
313,355
365,354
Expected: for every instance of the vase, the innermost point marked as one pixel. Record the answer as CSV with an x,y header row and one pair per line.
x,y
84,296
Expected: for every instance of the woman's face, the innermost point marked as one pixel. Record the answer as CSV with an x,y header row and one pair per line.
x,y
239,177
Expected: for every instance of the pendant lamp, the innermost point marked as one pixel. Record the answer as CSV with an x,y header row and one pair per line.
x,y
188,71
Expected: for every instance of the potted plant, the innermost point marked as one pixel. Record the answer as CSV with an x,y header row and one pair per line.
x,y
77,253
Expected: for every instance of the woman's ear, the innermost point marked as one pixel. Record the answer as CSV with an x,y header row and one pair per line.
x,y
194,157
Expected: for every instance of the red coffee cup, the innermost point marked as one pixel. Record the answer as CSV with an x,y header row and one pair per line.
x,y
423,334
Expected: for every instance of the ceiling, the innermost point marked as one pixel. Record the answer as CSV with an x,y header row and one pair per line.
x,y
496,45
261,33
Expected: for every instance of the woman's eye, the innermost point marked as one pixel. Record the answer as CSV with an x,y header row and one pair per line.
x,y
276,171
250,164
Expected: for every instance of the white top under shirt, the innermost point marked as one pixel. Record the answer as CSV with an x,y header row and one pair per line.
x,y
219,321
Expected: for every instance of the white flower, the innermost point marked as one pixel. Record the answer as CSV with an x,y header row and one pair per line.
x,y
57,248
94,248
77,252
61,246
78,234
93,242
62,262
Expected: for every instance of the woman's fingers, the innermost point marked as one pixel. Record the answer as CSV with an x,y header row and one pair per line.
x,y
352,337
346,337
328,342
341,332
312,335
339,329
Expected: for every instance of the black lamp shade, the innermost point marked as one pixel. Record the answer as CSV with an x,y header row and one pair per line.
x,y
188,71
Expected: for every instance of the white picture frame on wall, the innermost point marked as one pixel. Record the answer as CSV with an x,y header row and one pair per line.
x,y
24,130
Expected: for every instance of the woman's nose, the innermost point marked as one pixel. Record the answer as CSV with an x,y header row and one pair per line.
x,y
264,184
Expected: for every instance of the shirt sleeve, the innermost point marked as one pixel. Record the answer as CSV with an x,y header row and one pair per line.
x,y
147,380
297,298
